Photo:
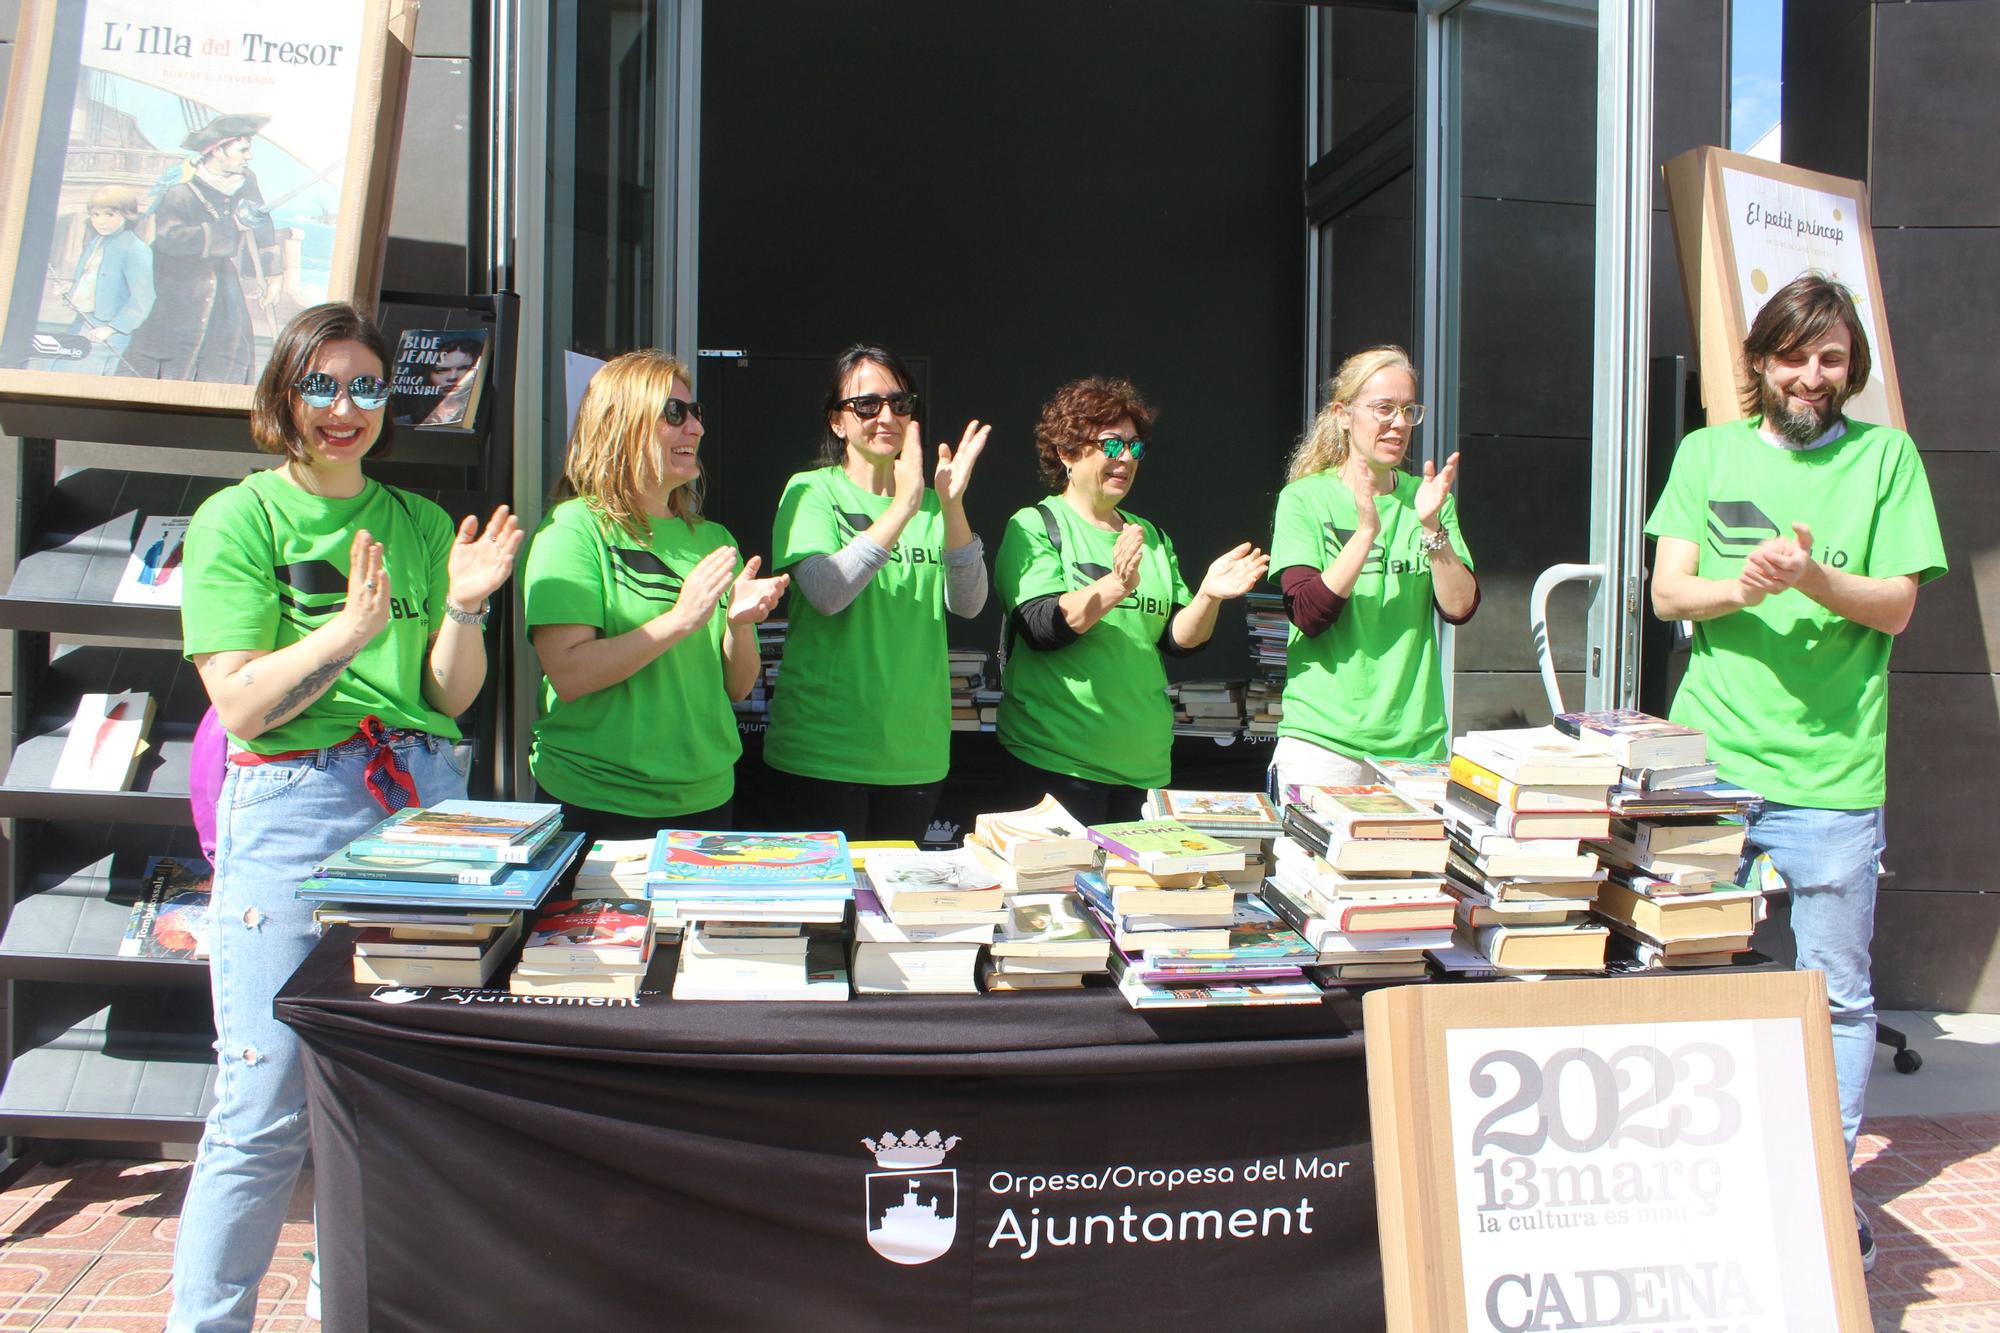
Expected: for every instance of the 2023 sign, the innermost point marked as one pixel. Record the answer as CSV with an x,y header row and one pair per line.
x,y
1583,1101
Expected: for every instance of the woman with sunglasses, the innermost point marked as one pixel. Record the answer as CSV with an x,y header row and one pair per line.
x,y
1093,596
1364,551
337,624
861,717
642,618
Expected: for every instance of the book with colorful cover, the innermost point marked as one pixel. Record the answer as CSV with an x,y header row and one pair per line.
x,y
170,920
345,864
800,864
1238,814
521,887
476,848
473,823
1373,810
1142,994
152,574
1165,846
1256,935
1638,740
1422,780
606,932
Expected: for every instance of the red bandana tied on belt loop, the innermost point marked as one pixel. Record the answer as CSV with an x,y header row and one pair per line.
x,y
385,775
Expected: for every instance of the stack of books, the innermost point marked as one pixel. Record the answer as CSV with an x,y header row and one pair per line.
x,y
1036,850
1519,805
1260,961
439,893
1263,698
921,921
742,899
1047,942
755,707
1673,847
1244,819
1419,781
1359,874
1138,909
969,676
1207,707
592,947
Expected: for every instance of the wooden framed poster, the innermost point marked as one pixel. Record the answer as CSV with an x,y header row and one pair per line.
x,y
1622,1155
180,179
1743,228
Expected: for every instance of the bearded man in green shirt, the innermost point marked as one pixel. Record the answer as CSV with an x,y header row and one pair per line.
x,y
1795,540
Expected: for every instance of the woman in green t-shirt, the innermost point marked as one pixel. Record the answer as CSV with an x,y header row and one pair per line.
x,y
860,733
336,624
1093,596
1363,551
641,615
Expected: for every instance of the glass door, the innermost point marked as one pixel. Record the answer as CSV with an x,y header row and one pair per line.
x,y
1533,184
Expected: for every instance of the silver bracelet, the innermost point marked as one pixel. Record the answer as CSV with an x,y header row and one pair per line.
x,y
474,618
1433,542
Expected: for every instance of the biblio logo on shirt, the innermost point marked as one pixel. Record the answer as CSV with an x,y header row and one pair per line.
x,y
1737,527
311,592
1083,573
913,1200
1337,539
646,574
852,525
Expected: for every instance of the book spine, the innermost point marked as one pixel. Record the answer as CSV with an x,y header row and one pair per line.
x,y
472,854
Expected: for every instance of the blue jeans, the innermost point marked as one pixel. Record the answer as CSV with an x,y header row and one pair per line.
x,y
272,823
1829,860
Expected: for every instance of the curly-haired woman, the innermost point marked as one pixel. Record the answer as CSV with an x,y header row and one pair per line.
x,y
1093,596
1364,550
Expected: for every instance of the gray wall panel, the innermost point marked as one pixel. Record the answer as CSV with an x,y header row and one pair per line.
x,y
1530,109
1957,622
444,28
1525,313
1826,72
1938,286
1932,158
1690,81
1370,288
1937,951
1944,730
429,218
1521,510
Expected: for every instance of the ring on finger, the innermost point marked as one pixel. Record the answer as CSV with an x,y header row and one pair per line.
x,y
368,585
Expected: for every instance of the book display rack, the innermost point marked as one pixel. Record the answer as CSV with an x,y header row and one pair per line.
x,y
99,1044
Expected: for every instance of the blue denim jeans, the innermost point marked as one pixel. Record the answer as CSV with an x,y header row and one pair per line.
x,y
273,822
1829,860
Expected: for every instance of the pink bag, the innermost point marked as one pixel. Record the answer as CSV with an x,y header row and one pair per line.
x,y
207,763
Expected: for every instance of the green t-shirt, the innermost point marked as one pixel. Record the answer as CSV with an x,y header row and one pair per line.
x,y
1096,708
266,565
1371,684
661,742
863,695
1794,698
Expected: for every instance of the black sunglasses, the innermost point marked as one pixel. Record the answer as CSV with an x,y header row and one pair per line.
x,y
679,410
1113,446
319,389
868,406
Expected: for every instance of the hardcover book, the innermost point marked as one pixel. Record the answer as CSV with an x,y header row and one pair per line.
x,y
1165,846
152,574
693,858
470,823
170,920
521,887
345,864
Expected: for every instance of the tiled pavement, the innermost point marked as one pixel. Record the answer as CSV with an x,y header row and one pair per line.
x,y
1931,1189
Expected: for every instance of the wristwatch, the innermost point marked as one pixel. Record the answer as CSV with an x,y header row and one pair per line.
x,y
477,618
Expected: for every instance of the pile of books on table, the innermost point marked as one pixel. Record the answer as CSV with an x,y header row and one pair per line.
x,y
1520,806
1359,874
770,655
921,921
616,869
1418,781
1207,707
1246,820
1256,960
974,706
1047,942
760,912
439,893
1265,625
1674,842
1034,850
592,947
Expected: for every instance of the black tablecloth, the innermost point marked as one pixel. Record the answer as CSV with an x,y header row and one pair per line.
x,y
489,1162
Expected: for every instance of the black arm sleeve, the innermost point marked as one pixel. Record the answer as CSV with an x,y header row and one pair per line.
x,y
1038,622
1167,644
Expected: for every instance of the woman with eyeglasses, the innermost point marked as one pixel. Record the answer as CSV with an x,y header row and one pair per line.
x,y
337,625
1093,596
1364,551
642,615
861,715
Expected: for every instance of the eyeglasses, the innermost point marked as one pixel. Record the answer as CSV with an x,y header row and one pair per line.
x,y
1113,447
868,406
366,392
1385,412
678,410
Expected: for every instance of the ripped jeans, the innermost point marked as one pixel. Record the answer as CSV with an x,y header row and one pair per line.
x,y
273,823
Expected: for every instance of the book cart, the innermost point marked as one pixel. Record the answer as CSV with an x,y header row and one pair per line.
x,y
98,1046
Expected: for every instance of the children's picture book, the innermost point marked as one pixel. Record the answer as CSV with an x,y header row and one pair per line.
x,y
170,920
716,858
152,574
106,738
1248,813
508,835
439,377
346,864
522,886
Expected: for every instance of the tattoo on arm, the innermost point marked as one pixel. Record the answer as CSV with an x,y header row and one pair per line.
x,y
307,690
